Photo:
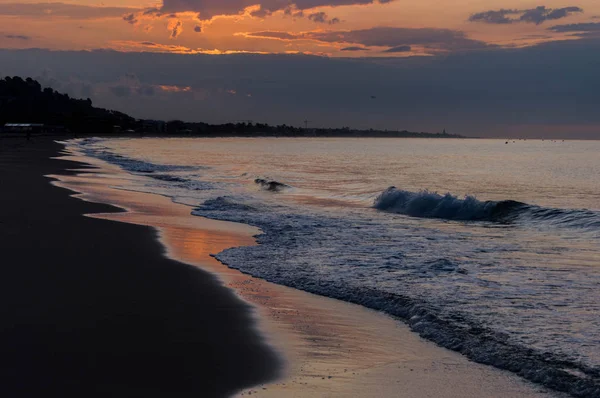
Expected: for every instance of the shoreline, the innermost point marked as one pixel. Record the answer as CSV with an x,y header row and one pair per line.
x,y
336,337
91,307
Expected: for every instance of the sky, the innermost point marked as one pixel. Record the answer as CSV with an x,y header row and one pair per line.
x,y
476,67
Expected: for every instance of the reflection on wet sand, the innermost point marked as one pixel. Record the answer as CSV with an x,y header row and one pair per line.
x,y
332,348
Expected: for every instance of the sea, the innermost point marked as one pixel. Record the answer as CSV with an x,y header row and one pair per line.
x,y
487,247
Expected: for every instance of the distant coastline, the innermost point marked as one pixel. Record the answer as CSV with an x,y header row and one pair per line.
x,y
266,130
27,108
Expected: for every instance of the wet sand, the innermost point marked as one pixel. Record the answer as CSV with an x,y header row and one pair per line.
x,y
332,348
92,308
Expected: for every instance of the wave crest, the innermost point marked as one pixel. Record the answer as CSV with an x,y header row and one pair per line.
x,y
427,204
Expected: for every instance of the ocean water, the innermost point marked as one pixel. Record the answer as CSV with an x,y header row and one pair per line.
x,y
487,248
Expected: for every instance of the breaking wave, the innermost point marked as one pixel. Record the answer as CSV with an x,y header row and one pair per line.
x,y
427,204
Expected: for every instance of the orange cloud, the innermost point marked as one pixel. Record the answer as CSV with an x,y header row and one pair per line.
x,y
175,89
392,40
175,26
208,9
148,46
63,10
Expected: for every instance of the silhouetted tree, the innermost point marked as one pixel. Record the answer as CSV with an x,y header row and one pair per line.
x,y
24,101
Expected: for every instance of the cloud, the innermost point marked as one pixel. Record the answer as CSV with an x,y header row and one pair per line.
x,y
429,38
62,10
536,15
495,17
354,48
17,37
198,29
542,14
148,15
577,27
581,30
149,46
291,11
399,49
268,34
481,93
321,17
130,18
208,9
439,39
175,26
175,89
136,46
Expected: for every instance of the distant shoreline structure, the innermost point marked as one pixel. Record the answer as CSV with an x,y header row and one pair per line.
x,y
249,129
23,102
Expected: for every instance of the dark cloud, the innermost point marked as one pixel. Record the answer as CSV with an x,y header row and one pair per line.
x,y
354,48
580,30
49,10
430,38
321,17
542,14
130,18
174,25
210,8
395,37
198,29
153,12
17,37
577,27
399,49
291,11
536,15
482,93
176,28
495,16
268,34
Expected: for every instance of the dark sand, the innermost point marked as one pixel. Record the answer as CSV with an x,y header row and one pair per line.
x,y
91,307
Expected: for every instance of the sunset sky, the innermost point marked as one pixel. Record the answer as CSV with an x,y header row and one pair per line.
x,y
377,33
